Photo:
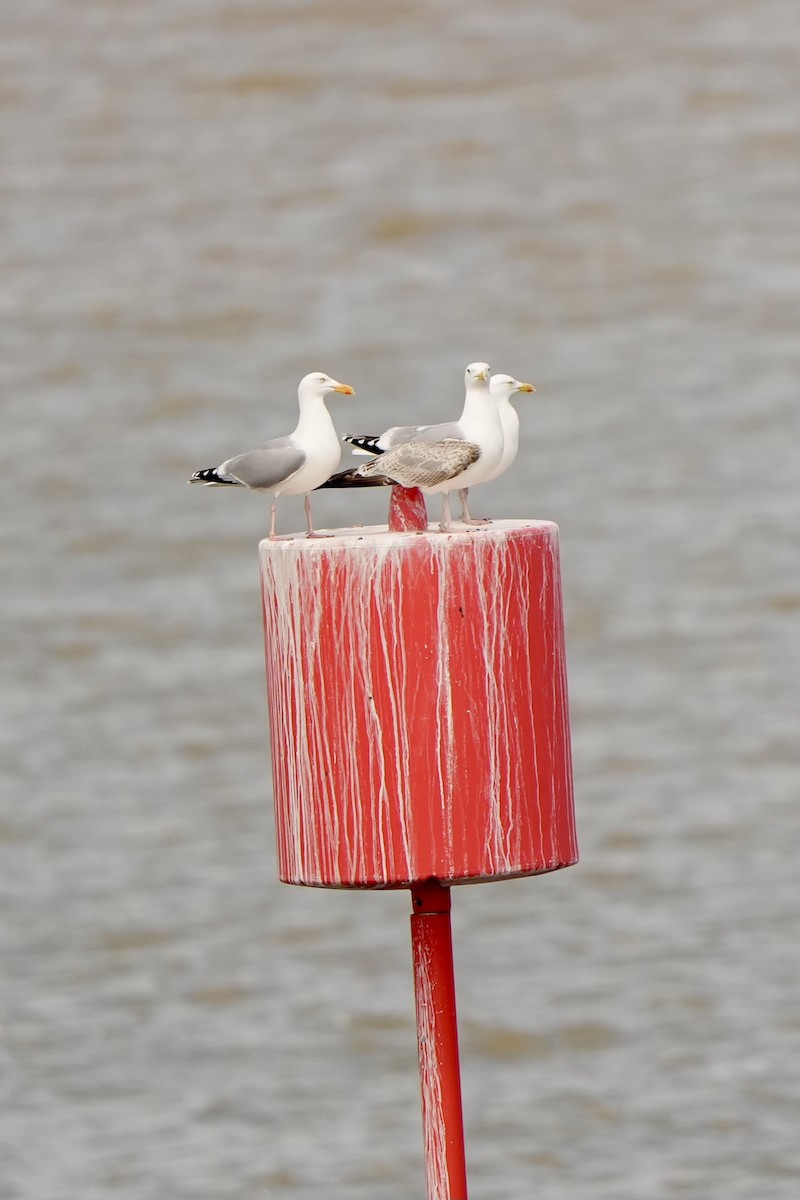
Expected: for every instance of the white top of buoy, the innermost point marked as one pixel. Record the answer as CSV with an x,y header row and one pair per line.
x,y
381,535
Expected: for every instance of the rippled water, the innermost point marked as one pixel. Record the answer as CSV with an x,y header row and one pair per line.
x,y
202,201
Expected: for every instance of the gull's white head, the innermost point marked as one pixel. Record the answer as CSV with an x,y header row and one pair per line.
x,y
503,387
477,372
317,385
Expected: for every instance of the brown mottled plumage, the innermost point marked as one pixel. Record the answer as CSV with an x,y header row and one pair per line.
x,y
427,465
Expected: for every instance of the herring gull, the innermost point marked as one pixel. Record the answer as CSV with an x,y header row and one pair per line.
x,y
503,387
292,465
478,426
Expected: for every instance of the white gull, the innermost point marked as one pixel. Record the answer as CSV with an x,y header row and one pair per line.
x,y
293,465
479,426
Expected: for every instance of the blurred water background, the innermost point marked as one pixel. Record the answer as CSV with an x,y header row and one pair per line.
x,y
201,200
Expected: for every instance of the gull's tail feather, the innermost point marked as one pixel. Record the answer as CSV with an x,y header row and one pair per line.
x,y
211,477
352,477
364,443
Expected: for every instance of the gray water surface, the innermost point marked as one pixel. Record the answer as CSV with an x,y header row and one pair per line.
x,y
201,201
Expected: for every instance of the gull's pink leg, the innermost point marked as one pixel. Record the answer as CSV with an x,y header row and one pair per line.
x,y
465,517
272,511
310,527
446,524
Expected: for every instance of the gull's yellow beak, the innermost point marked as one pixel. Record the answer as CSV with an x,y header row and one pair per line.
x,y
484,375
345,389
526,387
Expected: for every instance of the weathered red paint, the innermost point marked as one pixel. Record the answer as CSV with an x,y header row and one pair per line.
x,y
407,510
437,1037
418,705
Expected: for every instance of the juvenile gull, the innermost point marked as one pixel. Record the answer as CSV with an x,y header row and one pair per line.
x,y
292,465
431,466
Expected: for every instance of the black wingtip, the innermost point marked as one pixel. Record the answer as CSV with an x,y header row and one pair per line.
x,y
211,478
364,441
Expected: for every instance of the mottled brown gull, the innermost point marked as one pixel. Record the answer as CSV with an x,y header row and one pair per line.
x,y
426,465
431,466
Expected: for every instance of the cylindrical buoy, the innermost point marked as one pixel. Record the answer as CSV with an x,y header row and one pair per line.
x,y
418,706
420,738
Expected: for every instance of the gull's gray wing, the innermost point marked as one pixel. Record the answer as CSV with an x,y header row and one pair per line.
x,y
400,435
267,466
447,431
397,435
424,464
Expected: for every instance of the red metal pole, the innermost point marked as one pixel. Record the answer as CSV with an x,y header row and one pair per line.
x,y
437,1034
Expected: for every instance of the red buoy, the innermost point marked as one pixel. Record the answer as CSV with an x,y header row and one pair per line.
x,y
420,738
418,706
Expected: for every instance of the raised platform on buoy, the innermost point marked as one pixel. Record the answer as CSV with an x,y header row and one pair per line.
x,y
418,705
